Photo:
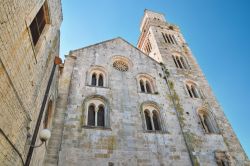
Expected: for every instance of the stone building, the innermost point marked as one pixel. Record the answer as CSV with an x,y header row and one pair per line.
x,y
145,105
111,103
29,43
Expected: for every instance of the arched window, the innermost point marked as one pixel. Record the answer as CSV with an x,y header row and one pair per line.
x,y
207,121
175,61
183,63
156,120
91,115
192,90
97,114
148,88
151,117
148,120
189,91
180,62
97,76
93,80
100,80
146,83
100,116
142,86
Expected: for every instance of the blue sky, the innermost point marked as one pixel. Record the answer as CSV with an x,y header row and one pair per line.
x,y
217,32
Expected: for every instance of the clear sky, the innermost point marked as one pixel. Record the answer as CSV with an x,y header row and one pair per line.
x,y
217,32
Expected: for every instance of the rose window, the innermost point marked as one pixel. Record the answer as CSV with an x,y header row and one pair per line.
x,y
120,65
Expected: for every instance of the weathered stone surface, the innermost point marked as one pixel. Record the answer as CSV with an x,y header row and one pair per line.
x,y
24,75
124,139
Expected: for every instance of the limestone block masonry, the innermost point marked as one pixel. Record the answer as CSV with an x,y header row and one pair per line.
x,y
25,69
149,105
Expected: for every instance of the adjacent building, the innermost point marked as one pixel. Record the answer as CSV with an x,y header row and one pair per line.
x,y
29,44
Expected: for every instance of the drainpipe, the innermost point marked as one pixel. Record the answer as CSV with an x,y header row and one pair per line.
x,y
57,61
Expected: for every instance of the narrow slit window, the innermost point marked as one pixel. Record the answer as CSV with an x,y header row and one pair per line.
x,y
164,37
91,115
170,37
175,61
93,80
148,88
100,80
193,89
156,120
174,39
142,86
148,120
183,62
179,62
189,91
100,116
167,38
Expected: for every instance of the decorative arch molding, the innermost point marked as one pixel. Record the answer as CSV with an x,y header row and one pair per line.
x,y
121,63
207,119
97,101
152,117
99,71
189,81
193,89
146,80
180,60
153,104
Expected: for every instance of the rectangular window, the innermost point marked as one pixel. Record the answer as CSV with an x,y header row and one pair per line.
x,y
38,24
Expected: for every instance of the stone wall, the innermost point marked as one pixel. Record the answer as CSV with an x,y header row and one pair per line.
x,y
124,141
24,74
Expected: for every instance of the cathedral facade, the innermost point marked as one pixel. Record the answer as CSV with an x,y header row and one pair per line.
x,y
147,105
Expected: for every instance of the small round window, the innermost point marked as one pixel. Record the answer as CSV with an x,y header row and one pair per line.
x,y
120,65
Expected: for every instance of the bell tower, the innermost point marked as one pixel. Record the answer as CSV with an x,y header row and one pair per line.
x,y
201,119
159,39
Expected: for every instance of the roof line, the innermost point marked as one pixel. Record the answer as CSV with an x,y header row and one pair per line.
x,y
112,40
94,44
